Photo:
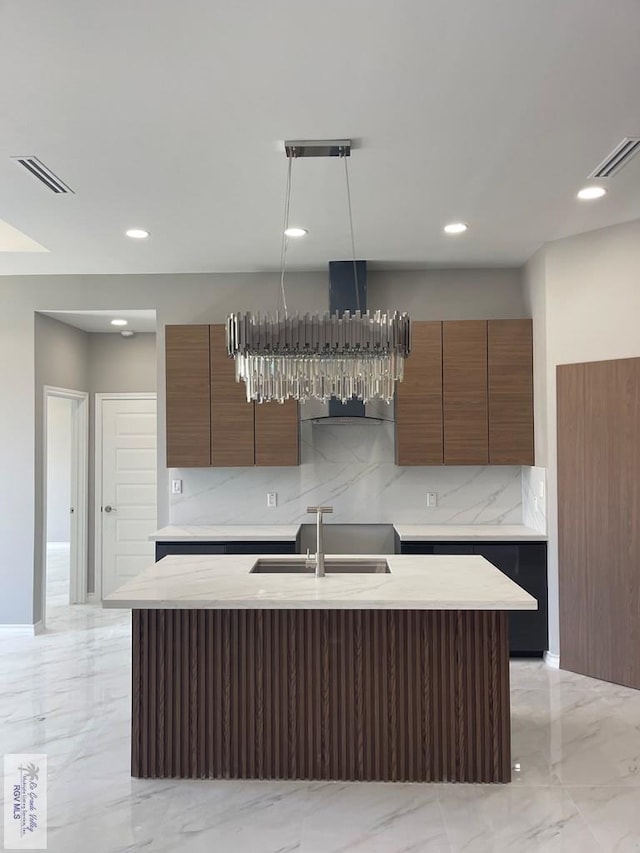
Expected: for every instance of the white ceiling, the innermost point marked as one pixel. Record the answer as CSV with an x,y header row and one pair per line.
x,y
169,116
100,321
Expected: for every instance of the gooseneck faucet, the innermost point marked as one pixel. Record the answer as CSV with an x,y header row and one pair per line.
x,y
318,558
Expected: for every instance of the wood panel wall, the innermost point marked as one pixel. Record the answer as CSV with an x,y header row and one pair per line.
x,y
510,392
187,390
419,399
598,410
317,694
232,419
464,385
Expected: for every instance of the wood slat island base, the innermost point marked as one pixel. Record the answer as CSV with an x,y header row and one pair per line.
x,y
388,695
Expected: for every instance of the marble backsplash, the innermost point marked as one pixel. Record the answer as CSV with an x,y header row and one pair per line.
x,y
350,468
534,498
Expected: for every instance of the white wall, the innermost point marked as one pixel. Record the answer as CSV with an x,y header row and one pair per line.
x,y
176,299
450,294
534,293
61,359
587,289
58,469
122,365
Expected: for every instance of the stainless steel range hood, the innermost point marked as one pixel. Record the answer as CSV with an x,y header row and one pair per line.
x,y
344,278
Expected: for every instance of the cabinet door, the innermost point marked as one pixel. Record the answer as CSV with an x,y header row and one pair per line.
x,y
510,392
525,564
232,427
418,399
464,379
277,433
187,388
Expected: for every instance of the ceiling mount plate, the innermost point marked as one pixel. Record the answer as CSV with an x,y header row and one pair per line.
x,y
317,148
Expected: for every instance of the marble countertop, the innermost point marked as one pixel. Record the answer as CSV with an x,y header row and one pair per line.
x,y
468,532
414,583
227,533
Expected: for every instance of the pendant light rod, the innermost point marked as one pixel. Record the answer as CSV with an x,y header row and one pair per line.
x,y
285,239
353,241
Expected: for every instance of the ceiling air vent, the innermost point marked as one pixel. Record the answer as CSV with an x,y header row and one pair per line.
x,y
618,158
44,175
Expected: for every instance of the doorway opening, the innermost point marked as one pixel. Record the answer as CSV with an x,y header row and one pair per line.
x,y
65,497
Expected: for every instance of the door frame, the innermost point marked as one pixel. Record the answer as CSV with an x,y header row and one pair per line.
x,y
97,495
79,491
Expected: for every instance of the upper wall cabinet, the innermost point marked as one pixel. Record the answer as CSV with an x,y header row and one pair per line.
x,y
467,395
232,427
277,433
188,409
510,392
418,399
464,392
209,421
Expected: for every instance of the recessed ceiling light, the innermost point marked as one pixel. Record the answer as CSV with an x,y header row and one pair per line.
x,y
455,228
119,322
591,192
137,233
296,232
127,333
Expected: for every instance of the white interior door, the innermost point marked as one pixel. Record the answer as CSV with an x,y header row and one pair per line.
x,y
128,488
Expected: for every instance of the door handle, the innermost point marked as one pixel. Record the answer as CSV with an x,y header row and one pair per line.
x,y
109,508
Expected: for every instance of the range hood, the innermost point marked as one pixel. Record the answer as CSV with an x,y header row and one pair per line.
x,y
344,277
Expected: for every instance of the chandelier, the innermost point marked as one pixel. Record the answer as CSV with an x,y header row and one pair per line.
x,y
353,354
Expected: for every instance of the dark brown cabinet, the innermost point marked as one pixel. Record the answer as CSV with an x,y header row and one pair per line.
x,y
232,420
209,421
464,392
418,400
188,395
467,394
276,433
510,392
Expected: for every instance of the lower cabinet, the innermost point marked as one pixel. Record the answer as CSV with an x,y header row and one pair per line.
x,y
164,549
525,563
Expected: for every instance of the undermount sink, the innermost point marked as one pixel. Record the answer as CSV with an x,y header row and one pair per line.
x,y
357,566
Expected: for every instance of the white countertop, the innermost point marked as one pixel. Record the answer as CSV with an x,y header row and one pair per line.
x,y
415,583
468,532
226,533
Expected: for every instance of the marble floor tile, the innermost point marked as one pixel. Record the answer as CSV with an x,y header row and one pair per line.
x,y
575,743
484,819
374,818
612,814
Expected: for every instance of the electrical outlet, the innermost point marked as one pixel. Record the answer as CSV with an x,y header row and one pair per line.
x,y
432,499
176,487
272,499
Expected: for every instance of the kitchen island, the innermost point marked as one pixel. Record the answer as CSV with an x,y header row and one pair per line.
x,y
397,674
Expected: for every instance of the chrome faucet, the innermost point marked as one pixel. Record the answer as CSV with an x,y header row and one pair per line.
x,y
317,561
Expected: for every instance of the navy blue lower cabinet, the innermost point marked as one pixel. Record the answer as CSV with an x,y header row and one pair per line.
x,y
164,549
525,563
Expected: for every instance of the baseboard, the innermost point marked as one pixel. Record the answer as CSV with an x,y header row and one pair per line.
x,y
21,630
552,660
92,598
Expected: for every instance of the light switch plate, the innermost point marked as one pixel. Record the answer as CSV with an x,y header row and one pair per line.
x,y
432,499
176,487
272,499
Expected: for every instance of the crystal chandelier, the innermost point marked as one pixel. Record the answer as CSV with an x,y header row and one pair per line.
x,y
346,355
